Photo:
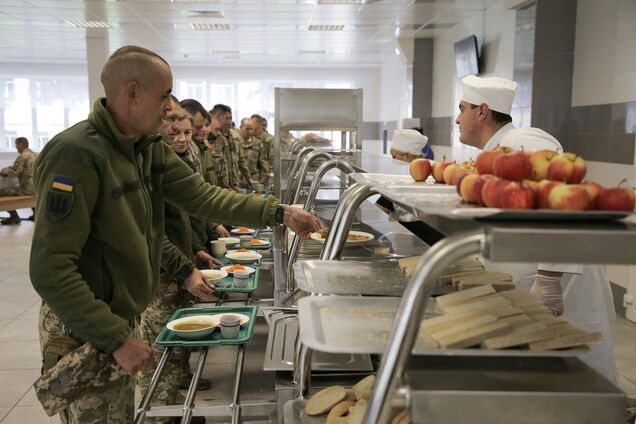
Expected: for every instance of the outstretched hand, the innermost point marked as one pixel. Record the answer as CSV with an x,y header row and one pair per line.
x,y
300,221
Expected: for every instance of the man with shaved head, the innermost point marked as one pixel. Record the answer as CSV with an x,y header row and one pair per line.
x,y
99,232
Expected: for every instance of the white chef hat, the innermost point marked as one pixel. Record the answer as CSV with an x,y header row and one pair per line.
x,y
409,141
497,93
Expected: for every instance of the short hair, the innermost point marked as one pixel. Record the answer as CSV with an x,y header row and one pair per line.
x,y
130,63
259,117
218,108
193,107
244,119
499,118
174,98
22,140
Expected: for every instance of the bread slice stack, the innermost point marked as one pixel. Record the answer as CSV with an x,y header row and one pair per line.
x,y
484,317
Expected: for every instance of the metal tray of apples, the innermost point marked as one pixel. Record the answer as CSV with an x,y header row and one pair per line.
x,y
373,179
450,205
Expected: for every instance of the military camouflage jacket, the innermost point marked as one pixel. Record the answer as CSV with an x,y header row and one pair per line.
x,y
268,155
252,152
232,171
23,169
99,227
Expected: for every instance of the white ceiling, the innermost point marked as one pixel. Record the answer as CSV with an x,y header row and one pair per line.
x,y
262,32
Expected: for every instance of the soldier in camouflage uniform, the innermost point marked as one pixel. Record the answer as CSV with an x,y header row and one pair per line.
x,y
268,146
232,170
252,152
23,169
98,243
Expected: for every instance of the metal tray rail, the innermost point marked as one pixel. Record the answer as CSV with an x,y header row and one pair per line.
x,y
168,338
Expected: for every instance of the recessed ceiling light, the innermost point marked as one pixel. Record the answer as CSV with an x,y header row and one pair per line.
x,y
210,27
342,1
205,14
397,51
230,62
327,27
311,51
196,1
225,52
88,24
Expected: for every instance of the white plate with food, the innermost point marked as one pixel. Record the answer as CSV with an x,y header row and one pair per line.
x,y
231,268
239,250
243,231
214,274
244,318
354,237
259,243
229,241
243,258
194,327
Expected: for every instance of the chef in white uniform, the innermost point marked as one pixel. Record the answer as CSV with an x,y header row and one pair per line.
x,y
581,293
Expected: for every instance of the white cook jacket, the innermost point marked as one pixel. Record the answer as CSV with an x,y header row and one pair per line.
x,y
587,294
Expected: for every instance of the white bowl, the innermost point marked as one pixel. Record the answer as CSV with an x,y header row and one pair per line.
x,y
244,318
239,231
243,257
214,274
247,268
229,241
212,321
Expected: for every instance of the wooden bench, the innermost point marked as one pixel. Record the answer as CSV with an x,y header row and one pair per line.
x,y
10,203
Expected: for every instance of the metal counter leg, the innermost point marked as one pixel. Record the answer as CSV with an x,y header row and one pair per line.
x,y
236,389
302,369
145,401
192,390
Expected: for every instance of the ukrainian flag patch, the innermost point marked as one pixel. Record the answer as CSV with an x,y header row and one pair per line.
x,y
63,184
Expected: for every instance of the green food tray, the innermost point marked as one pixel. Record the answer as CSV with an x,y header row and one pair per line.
x,y
226,261
225,285
168,338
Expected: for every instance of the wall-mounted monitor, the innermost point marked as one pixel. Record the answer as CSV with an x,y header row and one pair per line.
x,y
467,57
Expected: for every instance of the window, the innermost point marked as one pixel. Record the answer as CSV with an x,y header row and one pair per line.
x,y
38,107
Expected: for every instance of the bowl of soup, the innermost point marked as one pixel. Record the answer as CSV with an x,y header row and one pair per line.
x,y
194,327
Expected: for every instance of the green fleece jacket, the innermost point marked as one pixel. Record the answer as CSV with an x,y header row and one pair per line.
x,y
99,228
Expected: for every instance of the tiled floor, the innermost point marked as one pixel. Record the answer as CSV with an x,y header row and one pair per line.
x,y
20,357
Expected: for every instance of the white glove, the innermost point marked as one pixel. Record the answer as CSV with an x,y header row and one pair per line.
x,y
548,290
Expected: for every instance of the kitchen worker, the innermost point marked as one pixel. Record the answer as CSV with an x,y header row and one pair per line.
x,y
99,229
23,169
406,146
582,293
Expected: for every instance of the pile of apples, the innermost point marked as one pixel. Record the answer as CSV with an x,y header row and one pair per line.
x,y
504,178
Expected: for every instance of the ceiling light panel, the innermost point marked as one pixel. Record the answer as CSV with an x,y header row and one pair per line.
x,y
210,27
216,14
88,24
342,1
327,27
311,52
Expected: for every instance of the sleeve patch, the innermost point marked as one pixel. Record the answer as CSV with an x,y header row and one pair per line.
x,y
59,204
63,184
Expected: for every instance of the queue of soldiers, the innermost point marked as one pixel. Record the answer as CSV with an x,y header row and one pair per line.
x,y
127,201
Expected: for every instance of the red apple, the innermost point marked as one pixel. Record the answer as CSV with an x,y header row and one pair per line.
x,y
567,167
543,191
458,172
448,172
569,197
540,161
438,170
512,166
593,189
484,160
420,169
491,192
616,199
517,196
471,185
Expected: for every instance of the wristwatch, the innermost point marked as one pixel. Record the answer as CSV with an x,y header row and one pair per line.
x,y
280,213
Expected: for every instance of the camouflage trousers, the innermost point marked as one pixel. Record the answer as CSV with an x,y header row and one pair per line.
x,y
110,400
168,298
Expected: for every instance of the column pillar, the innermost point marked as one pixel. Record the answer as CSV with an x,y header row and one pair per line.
x,y
97,53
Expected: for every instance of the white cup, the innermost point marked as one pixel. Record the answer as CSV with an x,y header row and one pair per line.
x,y
218,248
241,278
245,241
230,326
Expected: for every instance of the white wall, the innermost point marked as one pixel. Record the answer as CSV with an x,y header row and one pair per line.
x,y
604,55
393,93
